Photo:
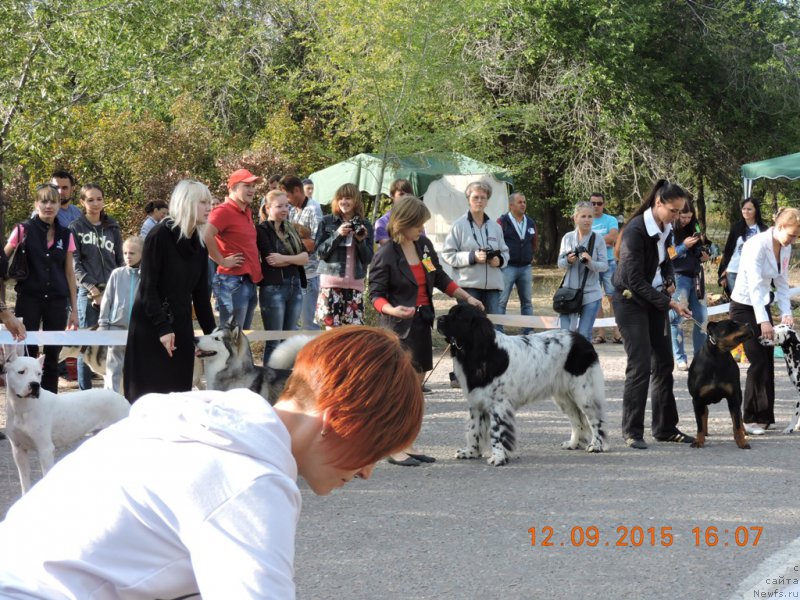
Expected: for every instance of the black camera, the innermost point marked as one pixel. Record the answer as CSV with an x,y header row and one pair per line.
x,y
578,251
358,225
491,253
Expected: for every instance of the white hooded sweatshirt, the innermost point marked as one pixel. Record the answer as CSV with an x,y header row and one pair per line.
x,y
193,493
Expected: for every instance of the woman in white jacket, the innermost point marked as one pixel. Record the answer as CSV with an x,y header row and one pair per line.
x,y
476,249
764,261
195,493
590,262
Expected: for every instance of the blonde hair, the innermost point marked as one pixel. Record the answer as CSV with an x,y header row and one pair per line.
x,y
787,217
581,206
134,240
183,206
47,191
263,210
408,211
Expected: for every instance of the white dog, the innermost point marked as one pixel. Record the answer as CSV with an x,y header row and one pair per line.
x,y
40,420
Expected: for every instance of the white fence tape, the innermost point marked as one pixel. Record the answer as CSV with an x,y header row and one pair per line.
x,y
84,337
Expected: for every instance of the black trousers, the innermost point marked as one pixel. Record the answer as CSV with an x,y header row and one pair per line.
x,y
648,344
51,315
758,401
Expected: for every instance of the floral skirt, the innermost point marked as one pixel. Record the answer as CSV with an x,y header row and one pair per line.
x,y
338,306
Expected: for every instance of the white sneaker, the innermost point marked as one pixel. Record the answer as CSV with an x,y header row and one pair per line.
x,y
682,366
753,429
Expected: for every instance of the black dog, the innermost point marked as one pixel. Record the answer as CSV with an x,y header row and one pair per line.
x,y
714,375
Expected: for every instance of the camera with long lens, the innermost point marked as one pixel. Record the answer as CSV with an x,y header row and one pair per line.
x,y
358,225
578,252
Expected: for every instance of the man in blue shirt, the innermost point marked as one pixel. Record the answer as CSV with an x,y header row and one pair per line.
x,y
65,182
519,232
607,226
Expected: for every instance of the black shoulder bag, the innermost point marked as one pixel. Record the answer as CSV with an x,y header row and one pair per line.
x,y
567,301
18,263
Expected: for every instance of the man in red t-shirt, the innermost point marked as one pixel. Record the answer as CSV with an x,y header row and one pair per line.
x,y
231,241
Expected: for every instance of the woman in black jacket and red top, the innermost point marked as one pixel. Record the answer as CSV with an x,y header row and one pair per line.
x,y
402,276
644,283
282,256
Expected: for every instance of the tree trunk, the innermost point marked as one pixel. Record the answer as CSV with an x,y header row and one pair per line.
x,y
549,239
700,200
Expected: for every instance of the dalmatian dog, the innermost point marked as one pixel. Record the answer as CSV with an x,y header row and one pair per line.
x,y
500,373
787,339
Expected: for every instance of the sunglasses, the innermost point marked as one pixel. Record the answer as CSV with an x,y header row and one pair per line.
x,y
597,203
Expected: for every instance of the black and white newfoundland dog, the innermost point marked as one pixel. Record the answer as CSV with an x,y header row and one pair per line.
x,y
500,373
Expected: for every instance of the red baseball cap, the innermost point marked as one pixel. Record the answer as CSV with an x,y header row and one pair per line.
x,y
243,175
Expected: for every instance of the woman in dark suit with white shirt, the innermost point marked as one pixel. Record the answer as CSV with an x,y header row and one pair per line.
x,y
764,261
402,276
643,287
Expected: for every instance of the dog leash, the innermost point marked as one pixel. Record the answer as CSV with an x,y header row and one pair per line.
x,y
436,365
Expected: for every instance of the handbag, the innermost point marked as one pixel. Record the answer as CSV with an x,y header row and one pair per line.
x,y
566,300
18,263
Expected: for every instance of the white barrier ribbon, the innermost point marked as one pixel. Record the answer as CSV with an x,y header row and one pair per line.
x,y
85,337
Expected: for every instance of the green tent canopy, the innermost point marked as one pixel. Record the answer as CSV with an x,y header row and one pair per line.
x,y
781,167
421,169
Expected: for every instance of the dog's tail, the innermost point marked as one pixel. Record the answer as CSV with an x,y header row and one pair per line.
x,y
283,357
69,352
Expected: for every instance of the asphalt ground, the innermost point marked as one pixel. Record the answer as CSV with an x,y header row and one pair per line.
x,y
667,522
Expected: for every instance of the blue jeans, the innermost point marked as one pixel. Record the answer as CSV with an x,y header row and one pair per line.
x,y
490,299
280,309
731,280
236,297
606,283
522,277
582,322
88,314
685,293
310,295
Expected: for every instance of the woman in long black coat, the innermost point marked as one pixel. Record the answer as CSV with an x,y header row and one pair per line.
x,y
159,356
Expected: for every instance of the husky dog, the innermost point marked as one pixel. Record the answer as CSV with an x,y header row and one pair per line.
x,y
37,419
228,362
93,356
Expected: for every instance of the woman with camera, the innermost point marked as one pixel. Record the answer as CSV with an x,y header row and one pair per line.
x,y
689,285
345,249
583,254
643,287
476,249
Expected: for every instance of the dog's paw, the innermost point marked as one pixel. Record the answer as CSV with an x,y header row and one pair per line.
x,y
596,446
696,444
570,445
788,430
466,453
498,459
